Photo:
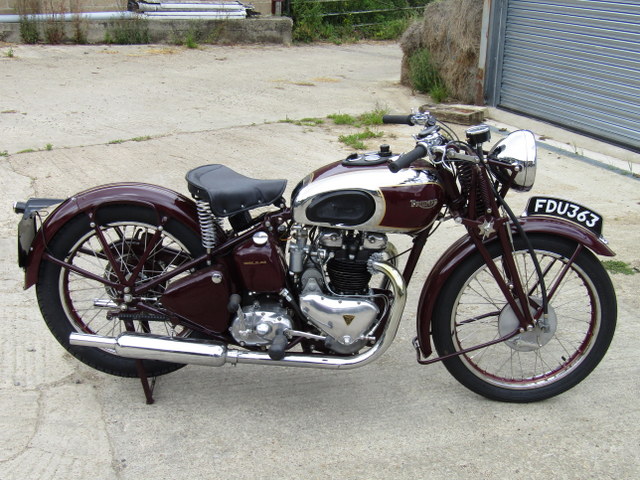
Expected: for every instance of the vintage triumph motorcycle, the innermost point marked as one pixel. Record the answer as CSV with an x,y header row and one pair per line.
x,y
138,280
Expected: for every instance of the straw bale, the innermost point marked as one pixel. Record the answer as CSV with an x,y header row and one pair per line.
x,y
450,30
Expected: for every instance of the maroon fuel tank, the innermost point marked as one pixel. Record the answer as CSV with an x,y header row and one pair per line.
x,y
368,196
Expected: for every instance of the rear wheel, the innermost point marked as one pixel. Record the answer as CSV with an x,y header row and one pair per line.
x,y
546,361
75,302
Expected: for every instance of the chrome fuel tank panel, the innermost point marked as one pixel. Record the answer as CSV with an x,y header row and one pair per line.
x,y
404,201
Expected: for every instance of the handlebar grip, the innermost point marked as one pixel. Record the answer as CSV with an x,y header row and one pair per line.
x,y
408,158
398,119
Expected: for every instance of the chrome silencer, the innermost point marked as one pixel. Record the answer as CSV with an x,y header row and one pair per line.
x,y
143,346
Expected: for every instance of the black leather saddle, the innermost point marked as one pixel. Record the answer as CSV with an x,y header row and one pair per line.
x,y
229,192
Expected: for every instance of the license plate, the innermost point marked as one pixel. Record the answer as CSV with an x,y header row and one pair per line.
x,y
574,212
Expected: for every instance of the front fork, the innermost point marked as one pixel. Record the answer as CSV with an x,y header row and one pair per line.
x,y
484,227
510,282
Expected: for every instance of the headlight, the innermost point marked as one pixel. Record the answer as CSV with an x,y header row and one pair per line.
x,y
518,152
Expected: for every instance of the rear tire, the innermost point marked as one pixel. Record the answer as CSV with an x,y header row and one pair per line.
x,y
71,302
534,365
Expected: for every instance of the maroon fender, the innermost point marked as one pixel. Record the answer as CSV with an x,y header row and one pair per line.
x,y
463,247
163,200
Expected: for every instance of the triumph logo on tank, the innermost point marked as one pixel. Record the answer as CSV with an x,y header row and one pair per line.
x,y
426,204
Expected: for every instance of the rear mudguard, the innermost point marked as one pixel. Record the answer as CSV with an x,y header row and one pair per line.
x,y
164,201
463,247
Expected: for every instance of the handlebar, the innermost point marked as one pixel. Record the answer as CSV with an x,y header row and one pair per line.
x,y
408,158
427,138
398,119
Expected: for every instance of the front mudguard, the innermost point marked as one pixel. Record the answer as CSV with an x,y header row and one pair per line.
x,y
164,201
457,253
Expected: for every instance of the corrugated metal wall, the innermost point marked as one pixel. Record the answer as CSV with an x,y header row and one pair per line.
x,y
573,62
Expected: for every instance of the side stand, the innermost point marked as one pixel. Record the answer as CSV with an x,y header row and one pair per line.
x,y
147,386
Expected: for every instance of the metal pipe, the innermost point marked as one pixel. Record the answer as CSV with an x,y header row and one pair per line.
x,y
156,7
97,341
189,15
144,346
105,16
184,350
67,17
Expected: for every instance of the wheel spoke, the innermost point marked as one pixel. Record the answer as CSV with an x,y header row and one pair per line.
x,y
115,252
532,356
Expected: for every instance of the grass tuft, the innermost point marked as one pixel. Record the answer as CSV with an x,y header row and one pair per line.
x,y
342,119
128,31
617,266
190,40
304,122
355,140
134,139
425,77
29,30
366,119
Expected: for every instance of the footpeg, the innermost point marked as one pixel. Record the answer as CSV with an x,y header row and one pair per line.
x,y
278,346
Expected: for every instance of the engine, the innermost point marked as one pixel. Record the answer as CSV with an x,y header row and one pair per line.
x,y
334,280
331,270
340,256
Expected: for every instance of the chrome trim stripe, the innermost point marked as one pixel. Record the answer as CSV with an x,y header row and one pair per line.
x,y
368,181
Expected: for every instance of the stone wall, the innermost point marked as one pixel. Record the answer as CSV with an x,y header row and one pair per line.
x,y
257,30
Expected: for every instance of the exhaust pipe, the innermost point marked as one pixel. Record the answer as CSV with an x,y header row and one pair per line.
x,y
215,354
143,346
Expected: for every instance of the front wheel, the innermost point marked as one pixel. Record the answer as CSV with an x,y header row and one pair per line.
x,y
546,361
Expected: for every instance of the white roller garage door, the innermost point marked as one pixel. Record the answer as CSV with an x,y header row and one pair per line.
x,y
573,62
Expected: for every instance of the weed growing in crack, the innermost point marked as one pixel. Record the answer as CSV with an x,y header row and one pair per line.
x,y
618,266
355,140
134,139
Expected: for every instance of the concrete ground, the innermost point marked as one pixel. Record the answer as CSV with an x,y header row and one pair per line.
x,y
83,116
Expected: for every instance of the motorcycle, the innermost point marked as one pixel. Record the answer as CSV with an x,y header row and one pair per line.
x,y
136,280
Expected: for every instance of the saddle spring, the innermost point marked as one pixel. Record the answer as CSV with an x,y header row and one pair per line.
x,y
208,223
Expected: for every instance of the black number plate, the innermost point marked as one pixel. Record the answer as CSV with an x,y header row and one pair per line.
x,y
566,209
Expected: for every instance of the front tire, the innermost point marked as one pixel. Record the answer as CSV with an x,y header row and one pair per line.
x,y
534,365
71,302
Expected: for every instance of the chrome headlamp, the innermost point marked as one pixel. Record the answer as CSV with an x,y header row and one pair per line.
x,y
517,151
